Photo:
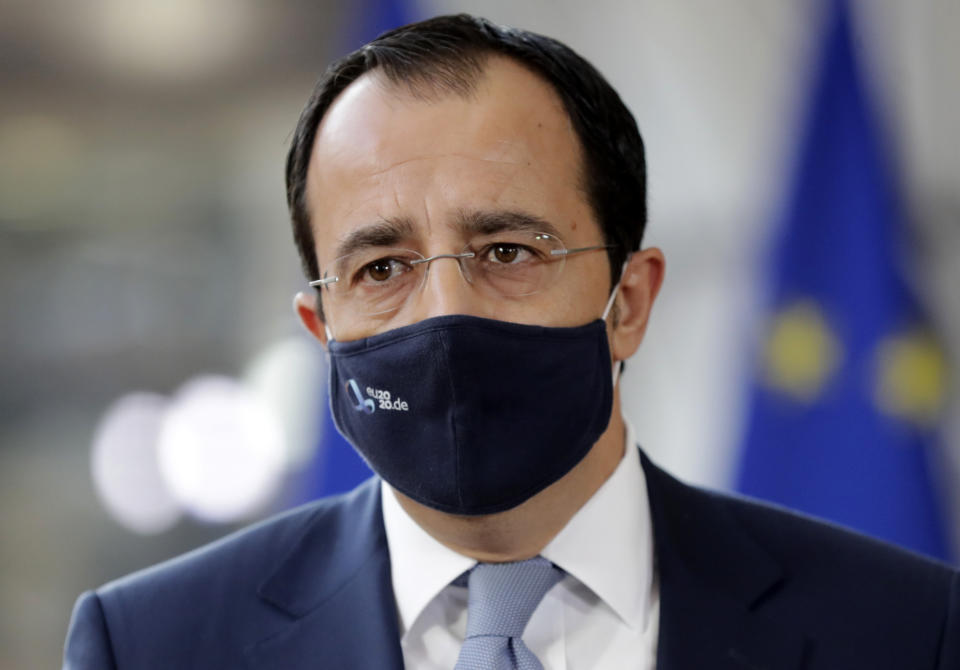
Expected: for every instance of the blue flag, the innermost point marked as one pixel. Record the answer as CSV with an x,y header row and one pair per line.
x,y
850,380
337,467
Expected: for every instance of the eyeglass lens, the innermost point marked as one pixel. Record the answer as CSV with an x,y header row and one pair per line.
x,y
505,264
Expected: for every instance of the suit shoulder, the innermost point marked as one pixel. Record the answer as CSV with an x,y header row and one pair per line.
x,y
796,538
837,575
791,537
856,601
237,559
819,561
211,603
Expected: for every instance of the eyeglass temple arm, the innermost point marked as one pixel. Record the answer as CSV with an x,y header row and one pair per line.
x,y
567,252
324,281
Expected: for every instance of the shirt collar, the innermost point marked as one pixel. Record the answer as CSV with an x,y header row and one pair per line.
x,y
420,566
607,546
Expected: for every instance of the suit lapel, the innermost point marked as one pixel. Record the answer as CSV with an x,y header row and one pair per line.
x,y
335,587
714,580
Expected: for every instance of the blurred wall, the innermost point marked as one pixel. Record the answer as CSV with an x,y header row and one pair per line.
x,y
144,238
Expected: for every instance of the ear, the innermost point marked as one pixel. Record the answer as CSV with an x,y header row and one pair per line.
x,y
305,305
639,287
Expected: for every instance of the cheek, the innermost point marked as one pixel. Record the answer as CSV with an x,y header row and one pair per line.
x,y
577,299
587,280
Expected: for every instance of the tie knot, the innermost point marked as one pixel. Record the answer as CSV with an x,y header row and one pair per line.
x,y
503,596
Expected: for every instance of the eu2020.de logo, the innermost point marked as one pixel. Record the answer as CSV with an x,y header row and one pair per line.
x,y
375,398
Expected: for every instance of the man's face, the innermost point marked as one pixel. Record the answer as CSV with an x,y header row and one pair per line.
x,y
428,166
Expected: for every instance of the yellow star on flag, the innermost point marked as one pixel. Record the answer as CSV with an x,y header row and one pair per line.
x,y
801,352
911,377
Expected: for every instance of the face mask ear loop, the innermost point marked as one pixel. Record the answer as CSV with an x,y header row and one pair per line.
x,y
613,296
618,365
613,293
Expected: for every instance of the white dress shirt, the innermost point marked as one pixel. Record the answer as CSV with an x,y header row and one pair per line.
x,y
603,614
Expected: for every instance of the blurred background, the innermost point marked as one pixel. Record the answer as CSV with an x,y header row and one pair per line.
x,y
156,391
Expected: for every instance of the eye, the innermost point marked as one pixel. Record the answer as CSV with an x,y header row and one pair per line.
x,y
382,270
508,253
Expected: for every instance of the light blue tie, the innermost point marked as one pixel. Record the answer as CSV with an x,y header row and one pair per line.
x,y
501,601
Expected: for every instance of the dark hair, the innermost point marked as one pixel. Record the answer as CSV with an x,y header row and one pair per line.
x,y
447,54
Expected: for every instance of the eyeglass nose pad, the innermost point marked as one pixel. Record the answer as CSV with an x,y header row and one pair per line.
x,y
464,259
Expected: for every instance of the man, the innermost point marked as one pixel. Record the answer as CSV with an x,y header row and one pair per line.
x,y
468,201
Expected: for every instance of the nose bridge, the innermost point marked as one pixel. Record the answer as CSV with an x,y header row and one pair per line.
x,y
445,288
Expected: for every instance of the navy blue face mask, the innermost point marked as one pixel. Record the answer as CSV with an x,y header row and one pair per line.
x,y
469,415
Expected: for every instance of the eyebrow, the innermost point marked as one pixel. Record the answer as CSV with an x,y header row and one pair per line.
x,y
383,233
484,222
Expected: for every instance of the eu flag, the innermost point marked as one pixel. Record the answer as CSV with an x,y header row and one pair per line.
x,y
850,380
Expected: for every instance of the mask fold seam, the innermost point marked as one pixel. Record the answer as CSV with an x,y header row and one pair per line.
x,y
453,420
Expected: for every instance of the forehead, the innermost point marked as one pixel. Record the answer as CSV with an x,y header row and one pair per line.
x,y
383,151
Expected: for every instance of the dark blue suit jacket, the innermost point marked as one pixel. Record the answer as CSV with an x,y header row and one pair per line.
x,y
743,586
